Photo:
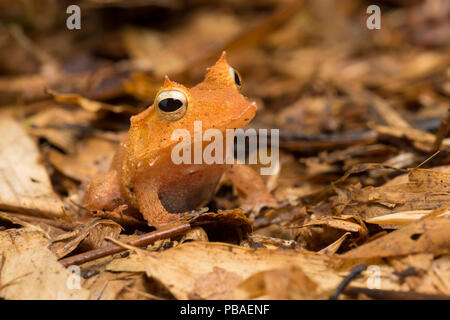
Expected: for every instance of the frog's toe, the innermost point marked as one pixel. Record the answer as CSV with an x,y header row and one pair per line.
x,y
163,219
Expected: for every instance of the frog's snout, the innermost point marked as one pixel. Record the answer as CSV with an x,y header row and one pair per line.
x,y
244,116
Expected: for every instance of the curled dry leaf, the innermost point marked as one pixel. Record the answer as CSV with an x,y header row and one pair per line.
x,y
323,232
90,105
334,247
59,126
422,140
426,189
429,235
195,234
88,236
225,225
92,156
403,218
342,222
260,241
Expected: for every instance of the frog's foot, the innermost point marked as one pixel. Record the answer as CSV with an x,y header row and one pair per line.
x,y
151,207
163,219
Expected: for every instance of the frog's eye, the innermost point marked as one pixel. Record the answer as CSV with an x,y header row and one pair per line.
x,y
171,104
236,77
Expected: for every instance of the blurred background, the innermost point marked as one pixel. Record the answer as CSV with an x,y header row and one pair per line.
x,y
340,93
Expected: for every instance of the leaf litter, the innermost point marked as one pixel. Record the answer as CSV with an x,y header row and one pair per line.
x,y
364,162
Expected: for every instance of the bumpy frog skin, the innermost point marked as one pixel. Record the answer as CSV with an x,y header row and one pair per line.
x,y
143,175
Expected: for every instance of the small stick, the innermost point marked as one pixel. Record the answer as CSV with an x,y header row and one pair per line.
x,y
352,275
66,226
428,159
145,239
394,295
442,132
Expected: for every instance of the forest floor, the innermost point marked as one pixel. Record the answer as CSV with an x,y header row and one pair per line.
x,y
363,185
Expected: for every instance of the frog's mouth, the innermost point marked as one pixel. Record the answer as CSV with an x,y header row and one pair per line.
x,y
241,118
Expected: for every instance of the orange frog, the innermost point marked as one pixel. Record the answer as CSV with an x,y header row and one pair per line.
x,y
143,175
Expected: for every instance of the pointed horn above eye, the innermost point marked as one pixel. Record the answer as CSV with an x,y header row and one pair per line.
x,y
223,57
220,64
167,81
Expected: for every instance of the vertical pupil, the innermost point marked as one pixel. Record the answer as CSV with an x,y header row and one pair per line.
x,y
236,79
169,105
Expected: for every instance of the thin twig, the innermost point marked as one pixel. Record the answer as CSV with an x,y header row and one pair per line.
x,y
145,239
356,271
428,159
67,226
442,131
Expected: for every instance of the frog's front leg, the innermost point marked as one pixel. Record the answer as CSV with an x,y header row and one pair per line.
x,y
103,193
250,183
150,205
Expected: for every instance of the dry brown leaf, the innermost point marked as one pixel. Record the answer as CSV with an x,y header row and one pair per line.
x,y
402,218
343,96
428,235
107,285
90,105
30,270
88,236
426,189
343,222
92,156
217,284
59,125
180,268
441,271
169,53
225,225
422,140
421,273
326,232
195,234
142,86
24,183
289,283
334,247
